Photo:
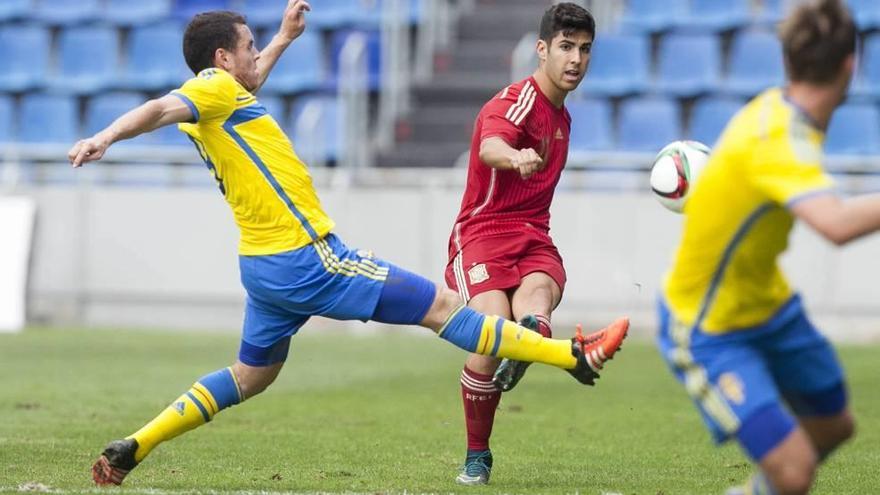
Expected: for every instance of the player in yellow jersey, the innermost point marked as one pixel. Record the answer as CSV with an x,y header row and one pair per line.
x,y
292,266
731,328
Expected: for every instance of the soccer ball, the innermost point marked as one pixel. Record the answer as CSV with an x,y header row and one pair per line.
x,y
674,171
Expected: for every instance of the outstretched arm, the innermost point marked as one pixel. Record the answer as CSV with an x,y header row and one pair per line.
x,y
840,220
292,25
153,114
496,153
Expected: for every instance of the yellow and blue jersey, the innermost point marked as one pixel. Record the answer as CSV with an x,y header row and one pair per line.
x,y
725,275
265,183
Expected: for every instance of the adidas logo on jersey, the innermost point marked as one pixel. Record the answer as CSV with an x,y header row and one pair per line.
x,y
558,133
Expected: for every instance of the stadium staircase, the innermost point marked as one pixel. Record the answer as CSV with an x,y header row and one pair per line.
x,y
438,129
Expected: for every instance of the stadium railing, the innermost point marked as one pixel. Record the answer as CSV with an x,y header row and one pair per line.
x,y
356,150
394,95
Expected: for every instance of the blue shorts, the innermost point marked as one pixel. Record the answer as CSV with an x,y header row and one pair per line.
x,y
738,376
325,278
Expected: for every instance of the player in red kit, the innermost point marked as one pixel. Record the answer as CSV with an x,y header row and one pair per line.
x,y
501,257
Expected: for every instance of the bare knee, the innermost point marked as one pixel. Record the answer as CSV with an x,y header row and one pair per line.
x,y
791,466
254,379
829,433
792,469
846,428
543,290
538,293
839,431
794,479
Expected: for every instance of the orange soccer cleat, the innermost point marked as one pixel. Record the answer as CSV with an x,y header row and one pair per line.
x,y
594,349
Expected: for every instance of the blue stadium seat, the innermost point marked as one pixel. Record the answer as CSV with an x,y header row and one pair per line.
x,y
652,16
103,109
416,10
14,9
332,14
327,146
374,55
689,64
169,135
276,106
45,118
7,120
710,116
755,64
129,13
648,124
771,11
186,9
24,57
716,15
266,13
155,59
301,67
866,13
87,60
368,14
619,66
329,14
867,81
591,122
854,130
66,12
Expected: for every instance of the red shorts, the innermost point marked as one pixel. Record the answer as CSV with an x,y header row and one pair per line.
x,y
500,261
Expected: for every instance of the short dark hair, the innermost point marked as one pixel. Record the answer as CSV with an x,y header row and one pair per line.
x,y
207,32
816,39
566,17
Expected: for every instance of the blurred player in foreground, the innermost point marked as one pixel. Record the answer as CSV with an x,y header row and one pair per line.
x,y
731,328
501,257
292,266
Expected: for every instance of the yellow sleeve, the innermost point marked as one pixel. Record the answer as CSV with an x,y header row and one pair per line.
x,y
210,95
788,166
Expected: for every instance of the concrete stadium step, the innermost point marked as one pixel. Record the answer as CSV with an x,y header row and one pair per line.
x,y
482,56
507,22
461,89
439,128
422,154
436,123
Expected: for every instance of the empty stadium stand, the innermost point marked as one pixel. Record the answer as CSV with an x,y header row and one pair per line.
x,y
662,71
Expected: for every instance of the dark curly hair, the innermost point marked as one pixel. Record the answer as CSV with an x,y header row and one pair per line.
x,y
207,32
816,39
566,17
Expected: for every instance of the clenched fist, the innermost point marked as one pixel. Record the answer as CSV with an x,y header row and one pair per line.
x,y
527,162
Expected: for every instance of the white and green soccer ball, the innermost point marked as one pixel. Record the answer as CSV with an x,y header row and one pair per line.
x,y
675,170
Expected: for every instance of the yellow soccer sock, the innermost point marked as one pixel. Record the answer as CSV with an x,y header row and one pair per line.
x,y
495,336
211,394
189,411
506,339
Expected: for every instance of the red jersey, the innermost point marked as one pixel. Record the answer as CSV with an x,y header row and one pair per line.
x,y
501,201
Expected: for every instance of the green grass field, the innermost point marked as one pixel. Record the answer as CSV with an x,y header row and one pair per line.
x,y
377,414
